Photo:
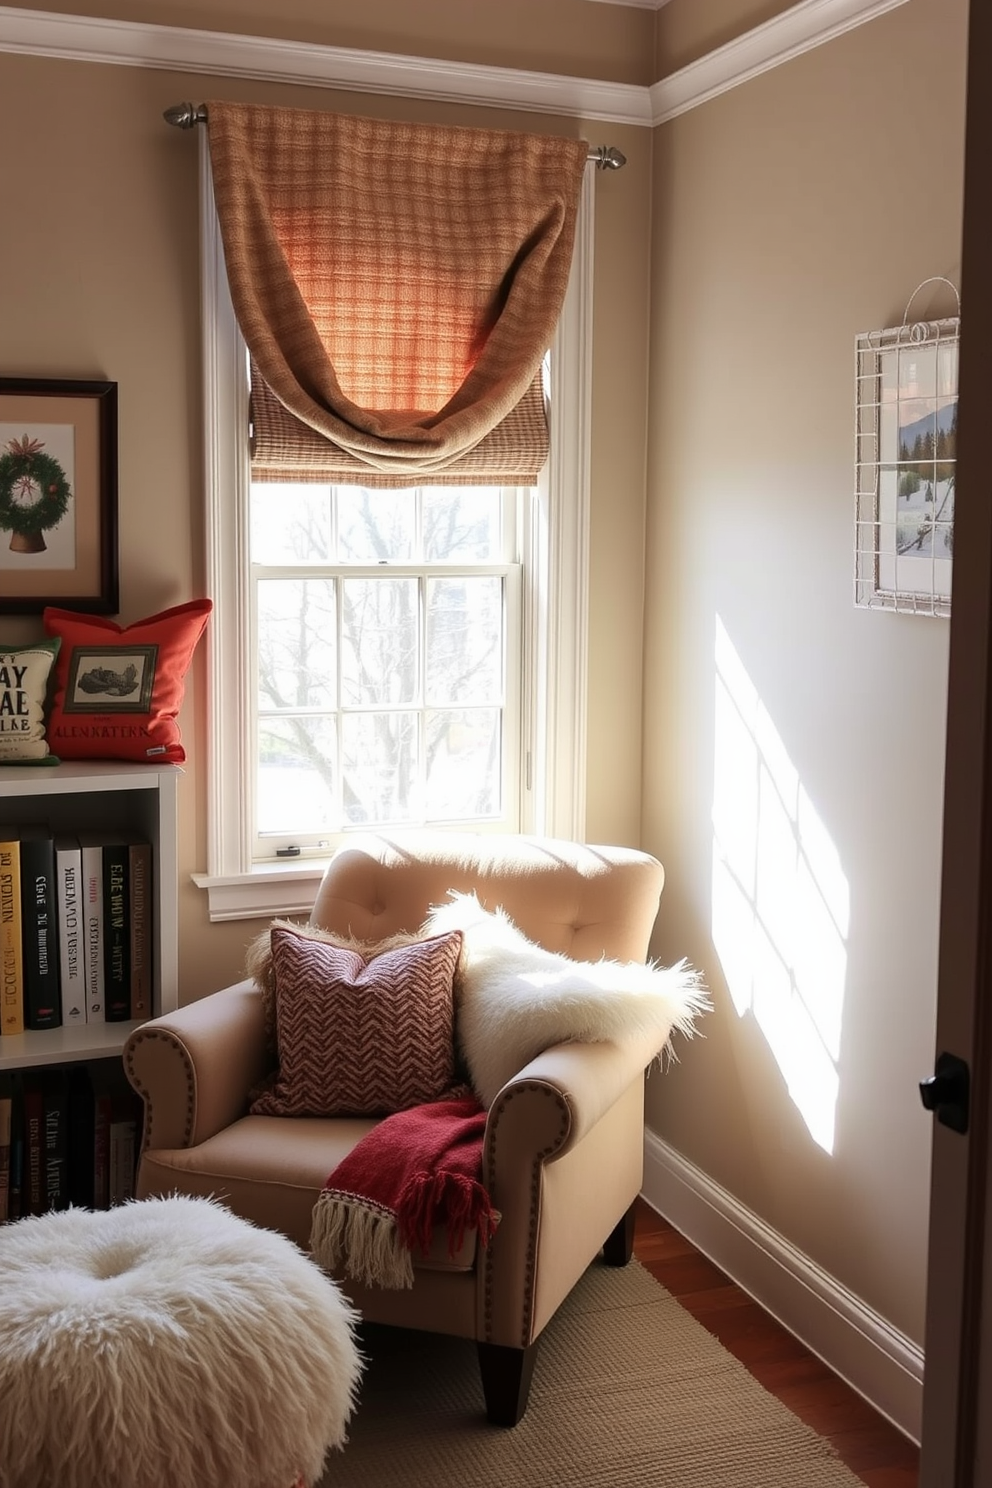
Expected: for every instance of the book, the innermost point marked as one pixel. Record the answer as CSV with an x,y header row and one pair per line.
x,y
11,954
123,1149
15,1206
140,906
116,931
6,1128
38,941
91,870
55,1182
81,1135
119,1113
34,1145
102,1116
69,921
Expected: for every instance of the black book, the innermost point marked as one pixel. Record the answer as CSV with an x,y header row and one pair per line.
x,y
117,931
33,1186
39,928
56,1151
140,909
15,1198
81,1137
6,1129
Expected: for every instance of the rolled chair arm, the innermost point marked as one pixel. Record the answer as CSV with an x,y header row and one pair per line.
x,y
539,1118
559,1097
194,1068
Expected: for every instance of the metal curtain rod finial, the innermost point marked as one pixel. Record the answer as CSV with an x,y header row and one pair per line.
x,y
186,115
607,157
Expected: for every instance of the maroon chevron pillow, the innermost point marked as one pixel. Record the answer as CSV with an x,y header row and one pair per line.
x,y
358,1036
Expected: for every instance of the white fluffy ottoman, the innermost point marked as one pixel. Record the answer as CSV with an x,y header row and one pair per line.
x,y
167,1342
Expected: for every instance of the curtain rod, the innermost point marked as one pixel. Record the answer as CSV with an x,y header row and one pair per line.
x,y
186,115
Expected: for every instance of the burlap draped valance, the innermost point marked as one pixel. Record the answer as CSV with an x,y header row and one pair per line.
x,y
397,286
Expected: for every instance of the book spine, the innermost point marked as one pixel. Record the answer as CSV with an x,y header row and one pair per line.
x,y
80,1137
56,1186
101,1150
40,949
11,955
140,904
91,855
69,915
116,933
6,1127
122,1155
34,1148
16,1201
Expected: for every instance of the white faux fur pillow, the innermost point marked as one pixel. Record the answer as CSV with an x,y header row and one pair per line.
x,y
513,999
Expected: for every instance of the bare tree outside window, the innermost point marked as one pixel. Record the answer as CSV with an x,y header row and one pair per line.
x,y
380,653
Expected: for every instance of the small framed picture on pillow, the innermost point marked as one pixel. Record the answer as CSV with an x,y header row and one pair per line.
x,y
116,681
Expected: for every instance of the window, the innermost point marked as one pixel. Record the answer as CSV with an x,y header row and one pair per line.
x,y
385,632
539,563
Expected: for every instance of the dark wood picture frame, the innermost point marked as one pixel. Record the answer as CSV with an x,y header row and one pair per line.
x,y
58,443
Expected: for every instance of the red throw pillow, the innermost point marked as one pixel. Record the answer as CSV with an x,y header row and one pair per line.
x,y
118,690
358,1037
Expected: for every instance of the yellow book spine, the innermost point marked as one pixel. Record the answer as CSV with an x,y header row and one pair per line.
x,y
11,949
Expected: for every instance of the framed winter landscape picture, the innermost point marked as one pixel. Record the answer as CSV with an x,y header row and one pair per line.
x,y
907,410
58,495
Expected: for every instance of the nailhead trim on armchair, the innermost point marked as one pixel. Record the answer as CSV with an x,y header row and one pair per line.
x,y
528,1087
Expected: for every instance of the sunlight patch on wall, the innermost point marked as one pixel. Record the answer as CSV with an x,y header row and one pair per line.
x,y
781,902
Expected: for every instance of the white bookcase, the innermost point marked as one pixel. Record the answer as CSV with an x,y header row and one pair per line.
x,y
75,796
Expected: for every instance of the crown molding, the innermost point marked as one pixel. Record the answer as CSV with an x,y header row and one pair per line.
x,y
797,30
634,4
221,54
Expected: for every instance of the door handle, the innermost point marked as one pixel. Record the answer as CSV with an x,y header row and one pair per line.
x,y
946,1092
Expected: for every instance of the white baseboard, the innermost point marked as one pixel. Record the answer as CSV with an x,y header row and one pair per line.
x,y
856,1343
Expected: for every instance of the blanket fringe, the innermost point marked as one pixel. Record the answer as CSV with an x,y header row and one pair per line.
x,y
361,1239
459,1201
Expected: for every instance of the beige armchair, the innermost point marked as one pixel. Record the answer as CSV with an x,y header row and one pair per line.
x,y
563,1150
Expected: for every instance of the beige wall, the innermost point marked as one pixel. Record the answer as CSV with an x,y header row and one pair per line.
x,y
99,278
791,214
688,29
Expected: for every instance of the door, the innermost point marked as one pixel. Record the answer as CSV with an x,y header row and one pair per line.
x,y
957,1435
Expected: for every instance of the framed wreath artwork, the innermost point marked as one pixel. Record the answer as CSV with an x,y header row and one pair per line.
x,y
58,495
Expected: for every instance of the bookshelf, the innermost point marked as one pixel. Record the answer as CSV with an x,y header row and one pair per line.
x,y
85,795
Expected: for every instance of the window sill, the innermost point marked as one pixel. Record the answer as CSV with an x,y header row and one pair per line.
x,y
264,893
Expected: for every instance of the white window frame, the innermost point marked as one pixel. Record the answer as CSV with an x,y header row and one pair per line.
x,y
555,608
507,571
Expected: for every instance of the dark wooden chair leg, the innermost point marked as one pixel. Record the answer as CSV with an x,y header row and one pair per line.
x,y
619,1245
506,1376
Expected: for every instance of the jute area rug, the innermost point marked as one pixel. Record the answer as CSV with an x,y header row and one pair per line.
x,y
629,1392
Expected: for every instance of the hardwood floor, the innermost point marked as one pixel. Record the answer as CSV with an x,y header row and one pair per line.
x,y
873,1449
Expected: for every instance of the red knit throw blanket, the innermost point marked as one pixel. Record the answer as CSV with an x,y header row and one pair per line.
x,y
416,1170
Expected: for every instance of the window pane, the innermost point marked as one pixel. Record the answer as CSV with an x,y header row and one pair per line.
x,y
465,640
376,526
380,766
296,643
379,652
463,764
290,524
296,775
462,525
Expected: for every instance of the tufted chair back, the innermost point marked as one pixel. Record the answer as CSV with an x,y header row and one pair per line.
x,y
584,902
